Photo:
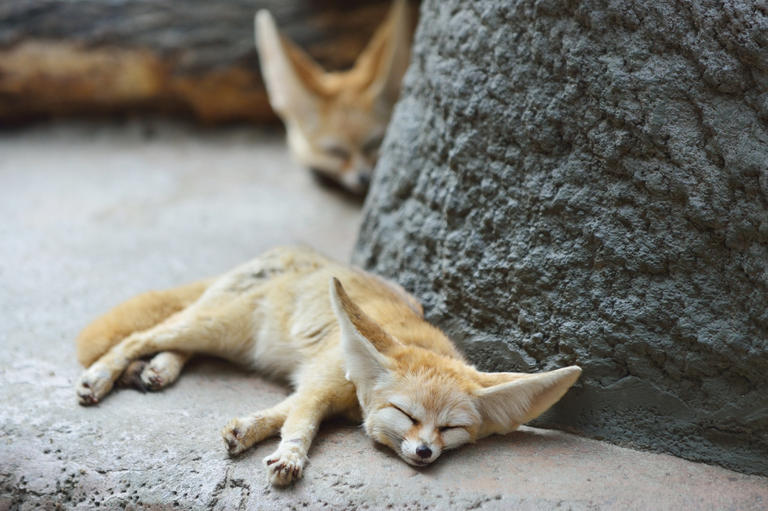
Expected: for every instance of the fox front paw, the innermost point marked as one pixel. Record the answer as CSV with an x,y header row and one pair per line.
x,y
285,466
234,435
94,384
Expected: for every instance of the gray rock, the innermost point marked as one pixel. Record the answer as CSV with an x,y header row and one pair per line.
x,y
587,183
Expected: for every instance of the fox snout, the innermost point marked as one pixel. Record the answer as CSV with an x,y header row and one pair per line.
x,y
364,179
421,445
419,453
356,182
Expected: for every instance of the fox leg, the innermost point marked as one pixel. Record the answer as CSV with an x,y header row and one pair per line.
x,y
164,369
156,374
311,404
141,312
243,432
192,331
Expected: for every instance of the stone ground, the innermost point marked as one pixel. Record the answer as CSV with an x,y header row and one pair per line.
x,y
91,214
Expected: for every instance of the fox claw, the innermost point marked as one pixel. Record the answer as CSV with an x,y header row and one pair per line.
x,y
284,466
161,371
152,379
85,398
94,384
233,437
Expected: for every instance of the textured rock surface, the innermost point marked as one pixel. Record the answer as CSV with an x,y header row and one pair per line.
x,y
587,182
197,58
92,215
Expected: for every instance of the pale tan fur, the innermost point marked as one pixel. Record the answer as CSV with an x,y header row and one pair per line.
x,y
359,347
139,313
335,121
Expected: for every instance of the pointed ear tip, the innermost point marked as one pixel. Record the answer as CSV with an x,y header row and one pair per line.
x,y
263,20
335,286
572,373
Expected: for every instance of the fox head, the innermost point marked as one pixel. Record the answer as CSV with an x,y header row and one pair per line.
x,y
421,403
335,121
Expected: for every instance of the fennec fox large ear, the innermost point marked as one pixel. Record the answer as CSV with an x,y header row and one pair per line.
x,y
293,79
286,69
522,397
363,342
386,57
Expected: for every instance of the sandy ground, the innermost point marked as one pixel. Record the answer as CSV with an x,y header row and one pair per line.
x,y
91,214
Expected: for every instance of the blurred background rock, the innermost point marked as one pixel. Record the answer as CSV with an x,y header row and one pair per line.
x,y
194,58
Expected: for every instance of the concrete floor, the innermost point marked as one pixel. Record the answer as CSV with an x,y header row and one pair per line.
x,y
91,214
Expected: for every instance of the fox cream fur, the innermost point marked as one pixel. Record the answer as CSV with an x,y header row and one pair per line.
x,y
349,342
335,121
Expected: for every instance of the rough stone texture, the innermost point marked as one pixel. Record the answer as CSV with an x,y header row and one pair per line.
x,y
586,182
64,57
93,214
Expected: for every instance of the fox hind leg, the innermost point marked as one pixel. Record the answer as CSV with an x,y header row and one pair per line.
x,y
155,374
140,313
188,332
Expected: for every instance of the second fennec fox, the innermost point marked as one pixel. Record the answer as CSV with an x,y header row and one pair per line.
x,y
335,121
349,342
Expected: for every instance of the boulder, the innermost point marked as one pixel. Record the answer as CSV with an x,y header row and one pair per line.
x,y
586,183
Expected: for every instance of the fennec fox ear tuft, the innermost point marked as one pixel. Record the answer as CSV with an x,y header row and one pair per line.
x,y
522,397
287,70
386,57
363,342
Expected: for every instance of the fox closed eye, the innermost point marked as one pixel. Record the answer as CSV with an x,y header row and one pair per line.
x,y
338,152
410,417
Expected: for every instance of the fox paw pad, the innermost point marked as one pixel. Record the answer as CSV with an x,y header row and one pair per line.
x,y
284,466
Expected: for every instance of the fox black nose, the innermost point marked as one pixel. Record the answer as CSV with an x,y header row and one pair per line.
x,y
364,180
423,451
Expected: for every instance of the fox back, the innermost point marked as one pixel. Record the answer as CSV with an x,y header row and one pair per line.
x,y
335,121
